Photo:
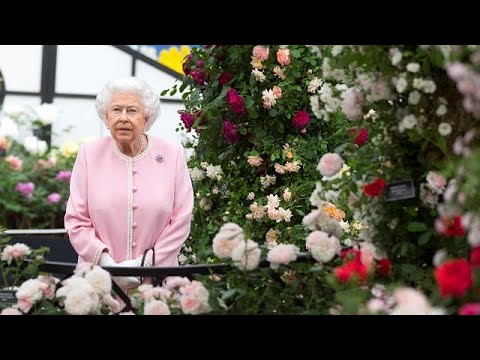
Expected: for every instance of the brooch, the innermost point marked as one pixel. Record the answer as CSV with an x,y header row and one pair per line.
x,y
159,158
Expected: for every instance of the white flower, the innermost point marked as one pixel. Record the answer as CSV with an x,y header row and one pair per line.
x,y
227,239
31,291
395,56
46,113
82,301
322,246
8,128
156,307
100,280
401,85
196,174
408,122
337,49
214,172
442,110
251,196
314,84
414,97
439,257
259,76
35,146
444,129
246,256
413,67
283,215
282,254
273,201
268,180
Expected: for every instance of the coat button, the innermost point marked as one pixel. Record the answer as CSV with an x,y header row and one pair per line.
x,y
134,206
134,189
134,171
134,244
134,225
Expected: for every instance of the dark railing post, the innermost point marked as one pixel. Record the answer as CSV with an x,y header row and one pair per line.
x,y
47,88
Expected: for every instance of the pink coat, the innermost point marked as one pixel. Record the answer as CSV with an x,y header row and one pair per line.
x,y
129,204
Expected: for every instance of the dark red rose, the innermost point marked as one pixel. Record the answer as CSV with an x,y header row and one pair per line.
x,y
230,131
375,188
301,119
236,102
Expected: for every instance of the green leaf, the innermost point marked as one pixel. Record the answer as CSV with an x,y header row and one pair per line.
x,y
423,239
163,92
415,226
242,130
229,293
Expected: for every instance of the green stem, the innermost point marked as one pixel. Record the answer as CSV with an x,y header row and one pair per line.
x,y
17,273
309,303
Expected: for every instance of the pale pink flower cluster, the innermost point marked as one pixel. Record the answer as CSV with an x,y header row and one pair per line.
x,y
15,162
322,246
87,291
227,238
434,187
270,97
468,84
254,161
287,195
436,182
283,57
194,299
257,211
282,254
319,220
330,164
154,299
10,311
259,54
290,166
16,251
271,238
33,291
268,180
278,71
246,256
461,144
352,104
410,301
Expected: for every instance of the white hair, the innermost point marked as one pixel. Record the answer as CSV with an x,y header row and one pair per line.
x,y
151,101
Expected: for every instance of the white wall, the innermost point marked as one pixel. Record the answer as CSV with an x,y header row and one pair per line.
x,y
84,69
21,67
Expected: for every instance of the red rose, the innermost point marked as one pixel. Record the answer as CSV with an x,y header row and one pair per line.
x,y
475,256
362,137
383,267
454,277
375,188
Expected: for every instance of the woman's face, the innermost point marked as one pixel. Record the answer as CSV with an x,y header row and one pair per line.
x,y
125,117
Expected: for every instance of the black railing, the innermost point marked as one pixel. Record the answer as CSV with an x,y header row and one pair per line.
x,y
158,274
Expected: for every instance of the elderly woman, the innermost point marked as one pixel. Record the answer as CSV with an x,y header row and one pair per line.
x,y
129,192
